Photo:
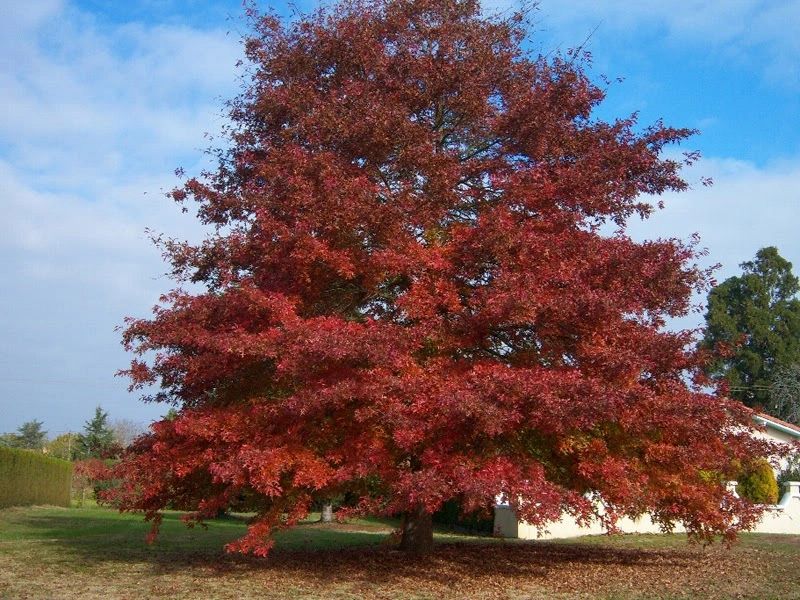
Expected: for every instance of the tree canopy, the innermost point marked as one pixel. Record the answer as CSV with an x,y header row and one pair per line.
x,y
753,324
29,435
409,296
64,446
125,431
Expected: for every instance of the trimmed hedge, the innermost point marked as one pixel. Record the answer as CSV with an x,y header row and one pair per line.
x,y
28,477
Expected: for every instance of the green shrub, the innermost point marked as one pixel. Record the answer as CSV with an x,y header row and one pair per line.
x,y
28,477
450,516
757,483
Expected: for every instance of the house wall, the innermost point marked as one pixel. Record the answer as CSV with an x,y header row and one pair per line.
x,y
779,436
776,435
783,517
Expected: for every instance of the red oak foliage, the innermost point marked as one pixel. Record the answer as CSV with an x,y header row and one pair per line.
x,y
410,296
88,473
90,470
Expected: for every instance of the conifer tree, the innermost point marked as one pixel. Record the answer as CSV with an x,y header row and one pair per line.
x,y
97,439
753,323
30,435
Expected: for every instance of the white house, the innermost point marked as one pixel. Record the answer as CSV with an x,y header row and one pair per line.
x,y
783,517
777,430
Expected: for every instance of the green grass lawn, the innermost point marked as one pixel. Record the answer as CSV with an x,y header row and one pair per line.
x,y
94,552
97,533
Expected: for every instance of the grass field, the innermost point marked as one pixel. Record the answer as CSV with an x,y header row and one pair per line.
x,y
94,552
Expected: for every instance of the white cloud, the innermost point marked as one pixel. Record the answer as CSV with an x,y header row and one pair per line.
x,y
95,119
746,209
22,17
74,268
732,28
86,105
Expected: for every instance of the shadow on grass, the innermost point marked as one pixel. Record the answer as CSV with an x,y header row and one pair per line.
x,y
325,554
473,561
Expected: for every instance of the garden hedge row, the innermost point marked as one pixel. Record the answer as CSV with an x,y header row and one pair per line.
x,y
28,477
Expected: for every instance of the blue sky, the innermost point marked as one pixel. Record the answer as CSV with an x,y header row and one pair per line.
x,y
102,101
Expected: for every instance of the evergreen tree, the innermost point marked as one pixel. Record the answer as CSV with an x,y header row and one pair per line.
x,y
753,326
30,436
98,438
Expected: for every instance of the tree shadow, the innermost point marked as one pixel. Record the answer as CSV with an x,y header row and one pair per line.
x,y
473,560
331,556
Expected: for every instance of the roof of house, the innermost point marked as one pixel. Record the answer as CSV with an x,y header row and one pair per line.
x,y
777,423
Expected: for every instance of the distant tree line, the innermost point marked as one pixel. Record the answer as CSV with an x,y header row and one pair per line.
x,y
99,438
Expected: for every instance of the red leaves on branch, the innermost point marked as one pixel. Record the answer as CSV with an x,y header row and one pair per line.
x,y
409,297
91,470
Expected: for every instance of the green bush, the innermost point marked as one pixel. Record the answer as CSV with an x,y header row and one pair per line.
x,y
757,483
28,477
450,516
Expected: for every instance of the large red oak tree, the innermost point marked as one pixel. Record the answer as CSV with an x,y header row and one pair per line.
x,y
410,296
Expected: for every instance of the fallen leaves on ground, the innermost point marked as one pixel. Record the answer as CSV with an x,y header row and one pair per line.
x,y
499,570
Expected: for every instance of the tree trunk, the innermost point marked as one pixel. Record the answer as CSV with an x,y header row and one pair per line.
x,y
327,513
417,532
